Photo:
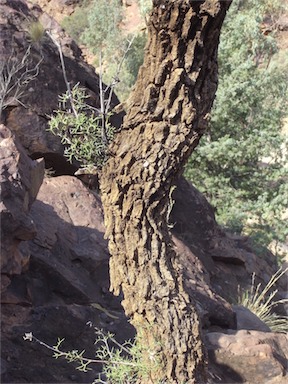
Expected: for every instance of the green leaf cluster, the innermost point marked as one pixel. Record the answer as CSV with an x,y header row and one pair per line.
x,y
81,130
241,163
130,362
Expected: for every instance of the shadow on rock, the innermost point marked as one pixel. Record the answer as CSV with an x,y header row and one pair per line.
x,y
65,288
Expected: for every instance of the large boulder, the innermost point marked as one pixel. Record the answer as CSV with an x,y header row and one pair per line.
x,y
248,357
69,245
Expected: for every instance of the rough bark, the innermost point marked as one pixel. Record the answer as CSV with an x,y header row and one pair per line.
x,y
167,114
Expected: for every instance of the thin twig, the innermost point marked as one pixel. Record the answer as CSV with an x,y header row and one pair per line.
x,y
58,45
14,74
102,104
111,87
105,104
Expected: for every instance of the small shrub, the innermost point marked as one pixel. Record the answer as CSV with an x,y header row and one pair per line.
x,y
261,303
122,363
127,363
145,6
82,129
75,24
36,31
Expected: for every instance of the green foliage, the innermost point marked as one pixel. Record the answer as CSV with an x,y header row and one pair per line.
x,y
69,356
81,130
240,164
103,33
133,59
122,363
76,23
72,356
145,6
269,8
97,24
126,363
135,55
261,303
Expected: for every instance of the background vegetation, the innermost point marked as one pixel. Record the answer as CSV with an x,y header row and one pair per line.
x,y
241,164
98,24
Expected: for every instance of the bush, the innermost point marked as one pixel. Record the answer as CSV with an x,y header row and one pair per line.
x,y
82,130
135,55
145,6
15,75
240,164
75,24
256,301
130,362
36,31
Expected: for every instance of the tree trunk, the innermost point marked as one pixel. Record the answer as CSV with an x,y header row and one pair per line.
x,y
167,114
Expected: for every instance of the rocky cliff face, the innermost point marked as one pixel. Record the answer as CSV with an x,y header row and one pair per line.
x,y
54,265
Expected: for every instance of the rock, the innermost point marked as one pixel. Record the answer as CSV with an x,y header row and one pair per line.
x,y
69,244
39,139
247,320
3,366
228,260
282,22
59,8
20,181
248,356
65,289
213,309
28,362
127,3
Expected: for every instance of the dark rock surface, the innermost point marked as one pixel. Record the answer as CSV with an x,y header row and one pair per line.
x,y
20,179
228,260
65,287
247,320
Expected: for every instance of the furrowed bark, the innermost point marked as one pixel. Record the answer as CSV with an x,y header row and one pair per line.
x,y
167,114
